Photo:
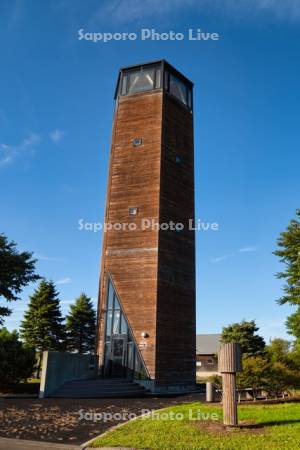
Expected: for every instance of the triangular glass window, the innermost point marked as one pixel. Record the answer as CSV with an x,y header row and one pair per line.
x,y
122,357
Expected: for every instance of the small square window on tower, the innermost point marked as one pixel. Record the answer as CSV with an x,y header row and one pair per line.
x,y
137,141
178,159
133,211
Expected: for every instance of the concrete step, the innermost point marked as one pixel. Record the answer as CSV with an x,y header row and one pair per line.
x,y
99,388
98,395
96,383
93,389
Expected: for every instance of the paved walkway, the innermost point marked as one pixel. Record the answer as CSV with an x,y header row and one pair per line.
x,y
22,444
72,421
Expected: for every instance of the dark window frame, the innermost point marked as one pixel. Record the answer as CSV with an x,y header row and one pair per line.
x,y
136,142
163,72
126,75
131,209
178,159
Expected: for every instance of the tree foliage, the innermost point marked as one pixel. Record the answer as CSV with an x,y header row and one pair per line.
x,y
262,374
42,327
81,325
17,269
255,369
294,357
289,254
244,333
16,360
293,324
276,371
279,350
280,379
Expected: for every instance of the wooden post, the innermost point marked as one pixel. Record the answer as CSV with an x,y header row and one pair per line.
x,y
230,362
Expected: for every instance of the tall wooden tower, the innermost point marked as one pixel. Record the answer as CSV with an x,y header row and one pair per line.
x,y
146,311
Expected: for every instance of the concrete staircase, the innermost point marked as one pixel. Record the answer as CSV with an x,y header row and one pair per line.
x,y
99,388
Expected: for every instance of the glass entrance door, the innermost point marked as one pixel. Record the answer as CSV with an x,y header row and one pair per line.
x,y
118,355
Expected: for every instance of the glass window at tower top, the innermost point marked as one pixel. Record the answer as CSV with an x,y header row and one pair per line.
x,y
156,76
178,89
141,81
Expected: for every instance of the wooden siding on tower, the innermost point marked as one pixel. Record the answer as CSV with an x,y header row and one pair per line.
x,y
131,256
176,328
153,271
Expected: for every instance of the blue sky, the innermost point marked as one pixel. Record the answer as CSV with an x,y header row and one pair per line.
x,y
55,128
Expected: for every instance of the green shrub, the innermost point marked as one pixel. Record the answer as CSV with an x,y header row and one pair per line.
x,y
16,360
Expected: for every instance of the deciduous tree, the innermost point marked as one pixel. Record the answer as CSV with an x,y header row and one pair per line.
x,y
17,269
16,360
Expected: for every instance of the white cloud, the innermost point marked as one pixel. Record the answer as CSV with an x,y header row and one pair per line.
x,y
6,159
131,10
66,302
31,140
248,249
65,280
56,135
221,258
48,258
16,13
10,153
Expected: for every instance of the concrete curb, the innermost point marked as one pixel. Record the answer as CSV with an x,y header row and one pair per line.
x,y
85,445
110,448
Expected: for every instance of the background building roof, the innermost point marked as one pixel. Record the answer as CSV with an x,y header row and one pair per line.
x,y
207,344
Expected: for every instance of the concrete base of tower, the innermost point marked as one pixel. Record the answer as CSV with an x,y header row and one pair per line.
x,y
155,387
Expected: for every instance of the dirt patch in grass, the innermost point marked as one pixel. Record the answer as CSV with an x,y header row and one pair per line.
x,y
217,428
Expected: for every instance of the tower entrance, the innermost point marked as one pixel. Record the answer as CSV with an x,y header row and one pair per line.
x,y
122,356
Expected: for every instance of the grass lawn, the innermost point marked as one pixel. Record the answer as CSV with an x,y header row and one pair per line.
x,y
263,427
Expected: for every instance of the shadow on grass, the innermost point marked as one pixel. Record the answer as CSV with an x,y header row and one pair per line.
x,y
270,423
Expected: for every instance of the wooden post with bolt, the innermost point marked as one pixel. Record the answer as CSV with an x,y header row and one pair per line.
x,y
230,362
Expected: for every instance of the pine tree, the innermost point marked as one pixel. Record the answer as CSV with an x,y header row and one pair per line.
x,y
289,254
244,333
42,327
81,325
